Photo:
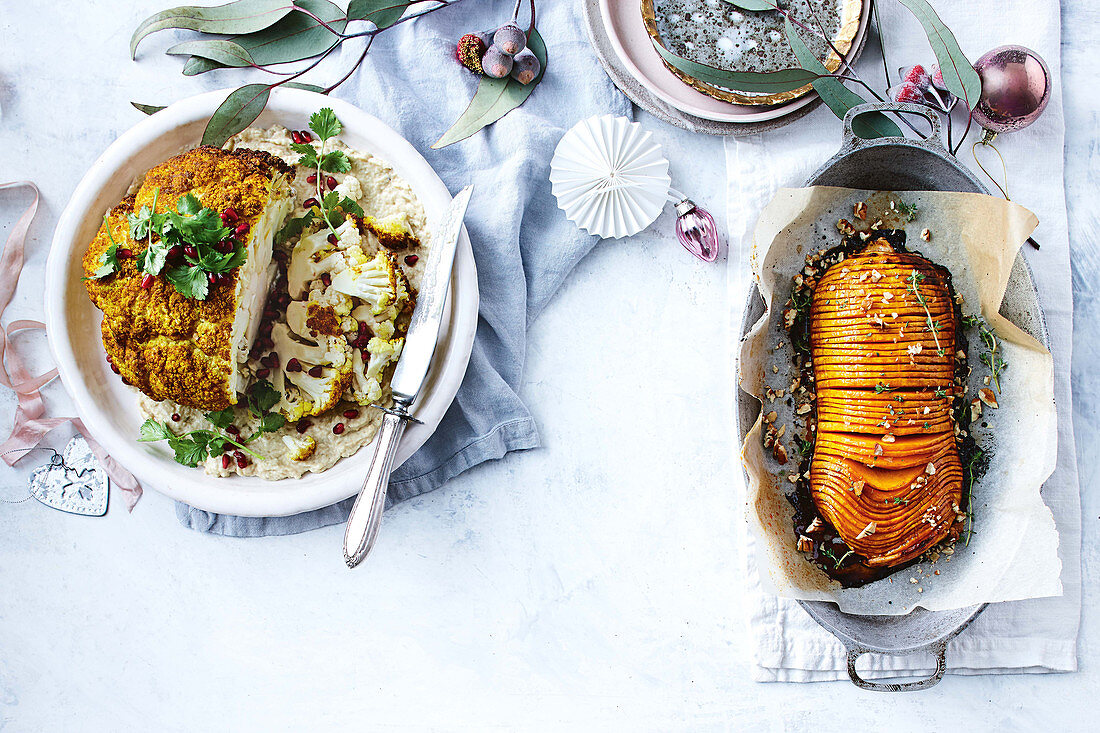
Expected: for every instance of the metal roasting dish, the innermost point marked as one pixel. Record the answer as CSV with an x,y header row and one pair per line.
x,y
899,164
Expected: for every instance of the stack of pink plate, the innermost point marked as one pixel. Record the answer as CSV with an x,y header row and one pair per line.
x,y
625,47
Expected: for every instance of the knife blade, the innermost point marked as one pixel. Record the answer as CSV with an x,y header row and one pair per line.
x,y
416,355
408,378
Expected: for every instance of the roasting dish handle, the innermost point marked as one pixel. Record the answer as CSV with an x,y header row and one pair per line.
x,y
938,649
933,141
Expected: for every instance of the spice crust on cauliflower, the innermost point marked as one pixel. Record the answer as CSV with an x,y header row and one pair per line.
x,y
167,345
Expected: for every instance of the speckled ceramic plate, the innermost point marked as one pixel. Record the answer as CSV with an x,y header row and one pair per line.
x,y
717,33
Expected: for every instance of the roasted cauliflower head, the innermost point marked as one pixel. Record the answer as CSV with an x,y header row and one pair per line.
x,y
160,340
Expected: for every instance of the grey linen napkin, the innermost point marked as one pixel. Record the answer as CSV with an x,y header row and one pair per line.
x,y
523,245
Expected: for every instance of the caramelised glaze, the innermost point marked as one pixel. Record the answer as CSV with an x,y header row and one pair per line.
x,y
885,471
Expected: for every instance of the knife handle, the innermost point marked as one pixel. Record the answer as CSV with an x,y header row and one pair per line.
x,y
366,513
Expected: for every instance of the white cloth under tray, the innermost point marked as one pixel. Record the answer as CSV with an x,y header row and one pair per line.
x,y
1038,635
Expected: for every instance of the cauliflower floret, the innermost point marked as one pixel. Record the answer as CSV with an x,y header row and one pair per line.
x,y
312,256
381,325
328,351
366,384
331,361
392,232
292,405
339,302
374,281
323,392
299,447
350,187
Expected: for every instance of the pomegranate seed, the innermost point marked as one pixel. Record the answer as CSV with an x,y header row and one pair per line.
x,y
233,430
190,250
175,254
225,246
303,426
225,461
175,417
294,366
310,202
114,368
315,372
262,373
326,279
147,282
241,229
266,360
338,428
306,137
124,253
411,260
212,278
267,343
110,359
311,178
296,137
265,329
330,182
274,359
351,414
242,462
332,239
230,215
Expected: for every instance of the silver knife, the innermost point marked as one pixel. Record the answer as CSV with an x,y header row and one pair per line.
x,y
408,378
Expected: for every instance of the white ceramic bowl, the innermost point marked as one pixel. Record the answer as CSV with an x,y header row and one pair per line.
x,y
109,408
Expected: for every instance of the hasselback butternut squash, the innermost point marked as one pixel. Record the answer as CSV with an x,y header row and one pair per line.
x,y
885,470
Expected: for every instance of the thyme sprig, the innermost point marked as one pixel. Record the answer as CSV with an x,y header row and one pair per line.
x,y
914,280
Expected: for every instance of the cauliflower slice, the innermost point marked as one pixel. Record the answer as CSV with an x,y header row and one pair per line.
x,y
311,257
331,355
299,447
366,383
373,280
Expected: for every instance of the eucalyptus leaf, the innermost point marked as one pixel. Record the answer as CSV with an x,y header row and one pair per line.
x,y
767,82
239,110
294,38
754,5
197,65
494,98
383,13
838,97
958,73
241,16
226,53
307,87
149,109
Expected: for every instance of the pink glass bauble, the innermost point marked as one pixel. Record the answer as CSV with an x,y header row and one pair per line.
x,y
696,231
1015,88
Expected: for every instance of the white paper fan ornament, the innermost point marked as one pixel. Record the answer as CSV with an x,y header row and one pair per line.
x,y
609,176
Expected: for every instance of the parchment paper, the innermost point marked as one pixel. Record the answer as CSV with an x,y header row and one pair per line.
x,y
1013,551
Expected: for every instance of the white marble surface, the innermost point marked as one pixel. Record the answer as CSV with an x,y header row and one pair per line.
x,y
594,580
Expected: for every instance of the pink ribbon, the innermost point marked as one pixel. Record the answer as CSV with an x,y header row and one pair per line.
x,y
31,426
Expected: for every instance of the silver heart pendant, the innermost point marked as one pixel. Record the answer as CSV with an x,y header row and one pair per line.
x,y
73,481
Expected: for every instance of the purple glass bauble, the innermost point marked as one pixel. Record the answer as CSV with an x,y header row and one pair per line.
x,y
1015,88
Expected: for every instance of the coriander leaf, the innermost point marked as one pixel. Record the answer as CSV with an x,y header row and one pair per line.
x,y
108,261
153,258
294,227
309,154
152,431
189,280
336,161
188,205
269,423
190,452
350,207
325,124
221,418
262,397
